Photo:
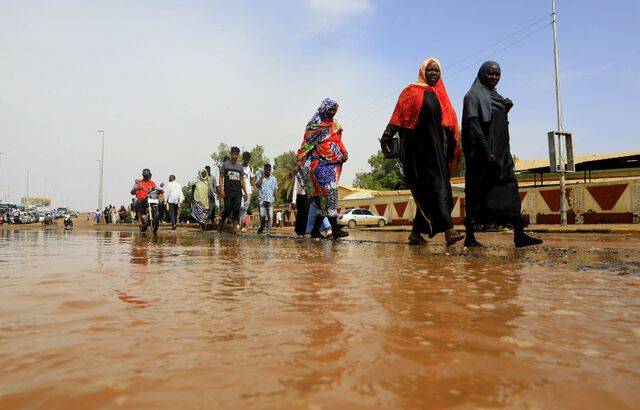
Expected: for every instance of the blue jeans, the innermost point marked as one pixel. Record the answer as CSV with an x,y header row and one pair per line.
x,y
266,212
313,210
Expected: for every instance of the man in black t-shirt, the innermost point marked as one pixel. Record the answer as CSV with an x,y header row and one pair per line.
x,y
232,189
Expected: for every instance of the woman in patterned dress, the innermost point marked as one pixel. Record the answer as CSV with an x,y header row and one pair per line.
x,y
200,203
321,156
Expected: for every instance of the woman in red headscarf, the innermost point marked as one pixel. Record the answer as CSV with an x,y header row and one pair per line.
x,y
429,148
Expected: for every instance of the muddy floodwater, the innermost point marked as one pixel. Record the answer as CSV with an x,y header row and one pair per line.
x,y
106,319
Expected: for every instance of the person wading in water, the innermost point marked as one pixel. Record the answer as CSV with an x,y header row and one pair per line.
x,y
322,154
491,187
427,126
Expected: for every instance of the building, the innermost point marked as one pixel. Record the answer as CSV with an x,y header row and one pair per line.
x,y
604,189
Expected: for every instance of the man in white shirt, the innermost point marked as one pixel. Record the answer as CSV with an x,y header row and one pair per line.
x,y
267,197
249,182
174,196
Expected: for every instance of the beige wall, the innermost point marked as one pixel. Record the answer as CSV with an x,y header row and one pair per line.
x,y
597,202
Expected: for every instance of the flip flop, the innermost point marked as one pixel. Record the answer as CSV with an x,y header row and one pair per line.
x,y
454,240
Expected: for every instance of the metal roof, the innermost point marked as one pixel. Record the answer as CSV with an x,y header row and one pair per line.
x,y
542,165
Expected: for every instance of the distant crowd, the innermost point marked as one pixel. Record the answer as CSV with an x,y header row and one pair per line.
x,y
214,199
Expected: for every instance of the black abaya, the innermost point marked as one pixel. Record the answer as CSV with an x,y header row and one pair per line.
x,y
302,212
491,187
425,167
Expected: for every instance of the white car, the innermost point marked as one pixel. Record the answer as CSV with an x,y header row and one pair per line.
x,y
361,217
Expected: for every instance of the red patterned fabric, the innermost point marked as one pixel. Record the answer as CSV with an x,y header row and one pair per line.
x,y
407,109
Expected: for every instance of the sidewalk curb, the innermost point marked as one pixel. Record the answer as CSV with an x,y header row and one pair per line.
x,y
546,230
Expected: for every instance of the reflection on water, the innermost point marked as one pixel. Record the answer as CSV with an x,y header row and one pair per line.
x,y
123,319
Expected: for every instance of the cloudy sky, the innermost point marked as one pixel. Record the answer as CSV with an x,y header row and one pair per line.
x,y
169,80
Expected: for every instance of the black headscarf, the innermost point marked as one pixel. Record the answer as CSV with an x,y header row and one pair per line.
x,y
481,99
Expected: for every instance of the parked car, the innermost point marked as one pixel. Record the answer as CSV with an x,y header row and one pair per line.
x,y
361,217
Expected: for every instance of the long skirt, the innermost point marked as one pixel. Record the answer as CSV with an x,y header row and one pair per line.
x,y
199,213
426,172
491,188
325,180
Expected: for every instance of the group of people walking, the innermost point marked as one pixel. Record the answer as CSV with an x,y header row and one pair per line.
x,y
423,134
231,187
113,215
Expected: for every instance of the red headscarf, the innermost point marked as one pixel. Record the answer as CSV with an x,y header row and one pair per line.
x,y
409,104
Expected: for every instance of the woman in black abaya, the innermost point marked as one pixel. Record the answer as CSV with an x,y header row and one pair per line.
x,y
491,187
427,126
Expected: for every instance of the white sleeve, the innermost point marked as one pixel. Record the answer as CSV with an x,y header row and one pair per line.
x,y
294,194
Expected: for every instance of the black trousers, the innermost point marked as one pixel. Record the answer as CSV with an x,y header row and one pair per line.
x,y
173,213
232,208
302,213
141,207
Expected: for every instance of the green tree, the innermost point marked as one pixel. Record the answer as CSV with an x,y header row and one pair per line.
x,y
461,167
283,164
186,205
257,161
223,150
384,175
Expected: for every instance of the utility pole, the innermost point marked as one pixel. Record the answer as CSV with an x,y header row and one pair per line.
x,y
1,154
561,160
101,171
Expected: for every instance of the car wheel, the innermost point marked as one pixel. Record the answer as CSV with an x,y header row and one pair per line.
x,y
381,223
351,224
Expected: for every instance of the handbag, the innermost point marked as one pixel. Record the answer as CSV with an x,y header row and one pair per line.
x,y
390,147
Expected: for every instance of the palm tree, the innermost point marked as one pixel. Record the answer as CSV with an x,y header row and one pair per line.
x,y
283,164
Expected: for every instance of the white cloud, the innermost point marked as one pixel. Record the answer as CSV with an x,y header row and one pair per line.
x,y
329,15
339,7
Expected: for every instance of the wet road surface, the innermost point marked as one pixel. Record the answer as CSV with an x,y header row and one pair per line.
x,y
104,319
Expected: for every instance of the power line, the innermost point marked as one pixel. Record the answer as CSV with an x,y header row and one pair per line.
x,y
475,63
498,51
500,41
466,67
512,34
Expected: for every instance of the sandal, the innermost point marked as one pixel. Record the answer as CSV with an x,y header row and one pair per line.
x,y
416,239
452,237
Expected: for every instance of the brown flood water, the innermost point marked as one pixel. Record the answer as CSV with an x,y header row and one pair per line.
x,y
118,319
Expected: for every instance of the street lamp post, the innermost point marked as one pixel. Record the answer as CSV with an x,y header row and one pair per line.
x,y
101,171
1,154
26,197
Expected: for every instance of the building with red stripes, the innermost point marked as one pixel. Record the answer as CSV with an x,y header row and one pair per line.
x,y
604,189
